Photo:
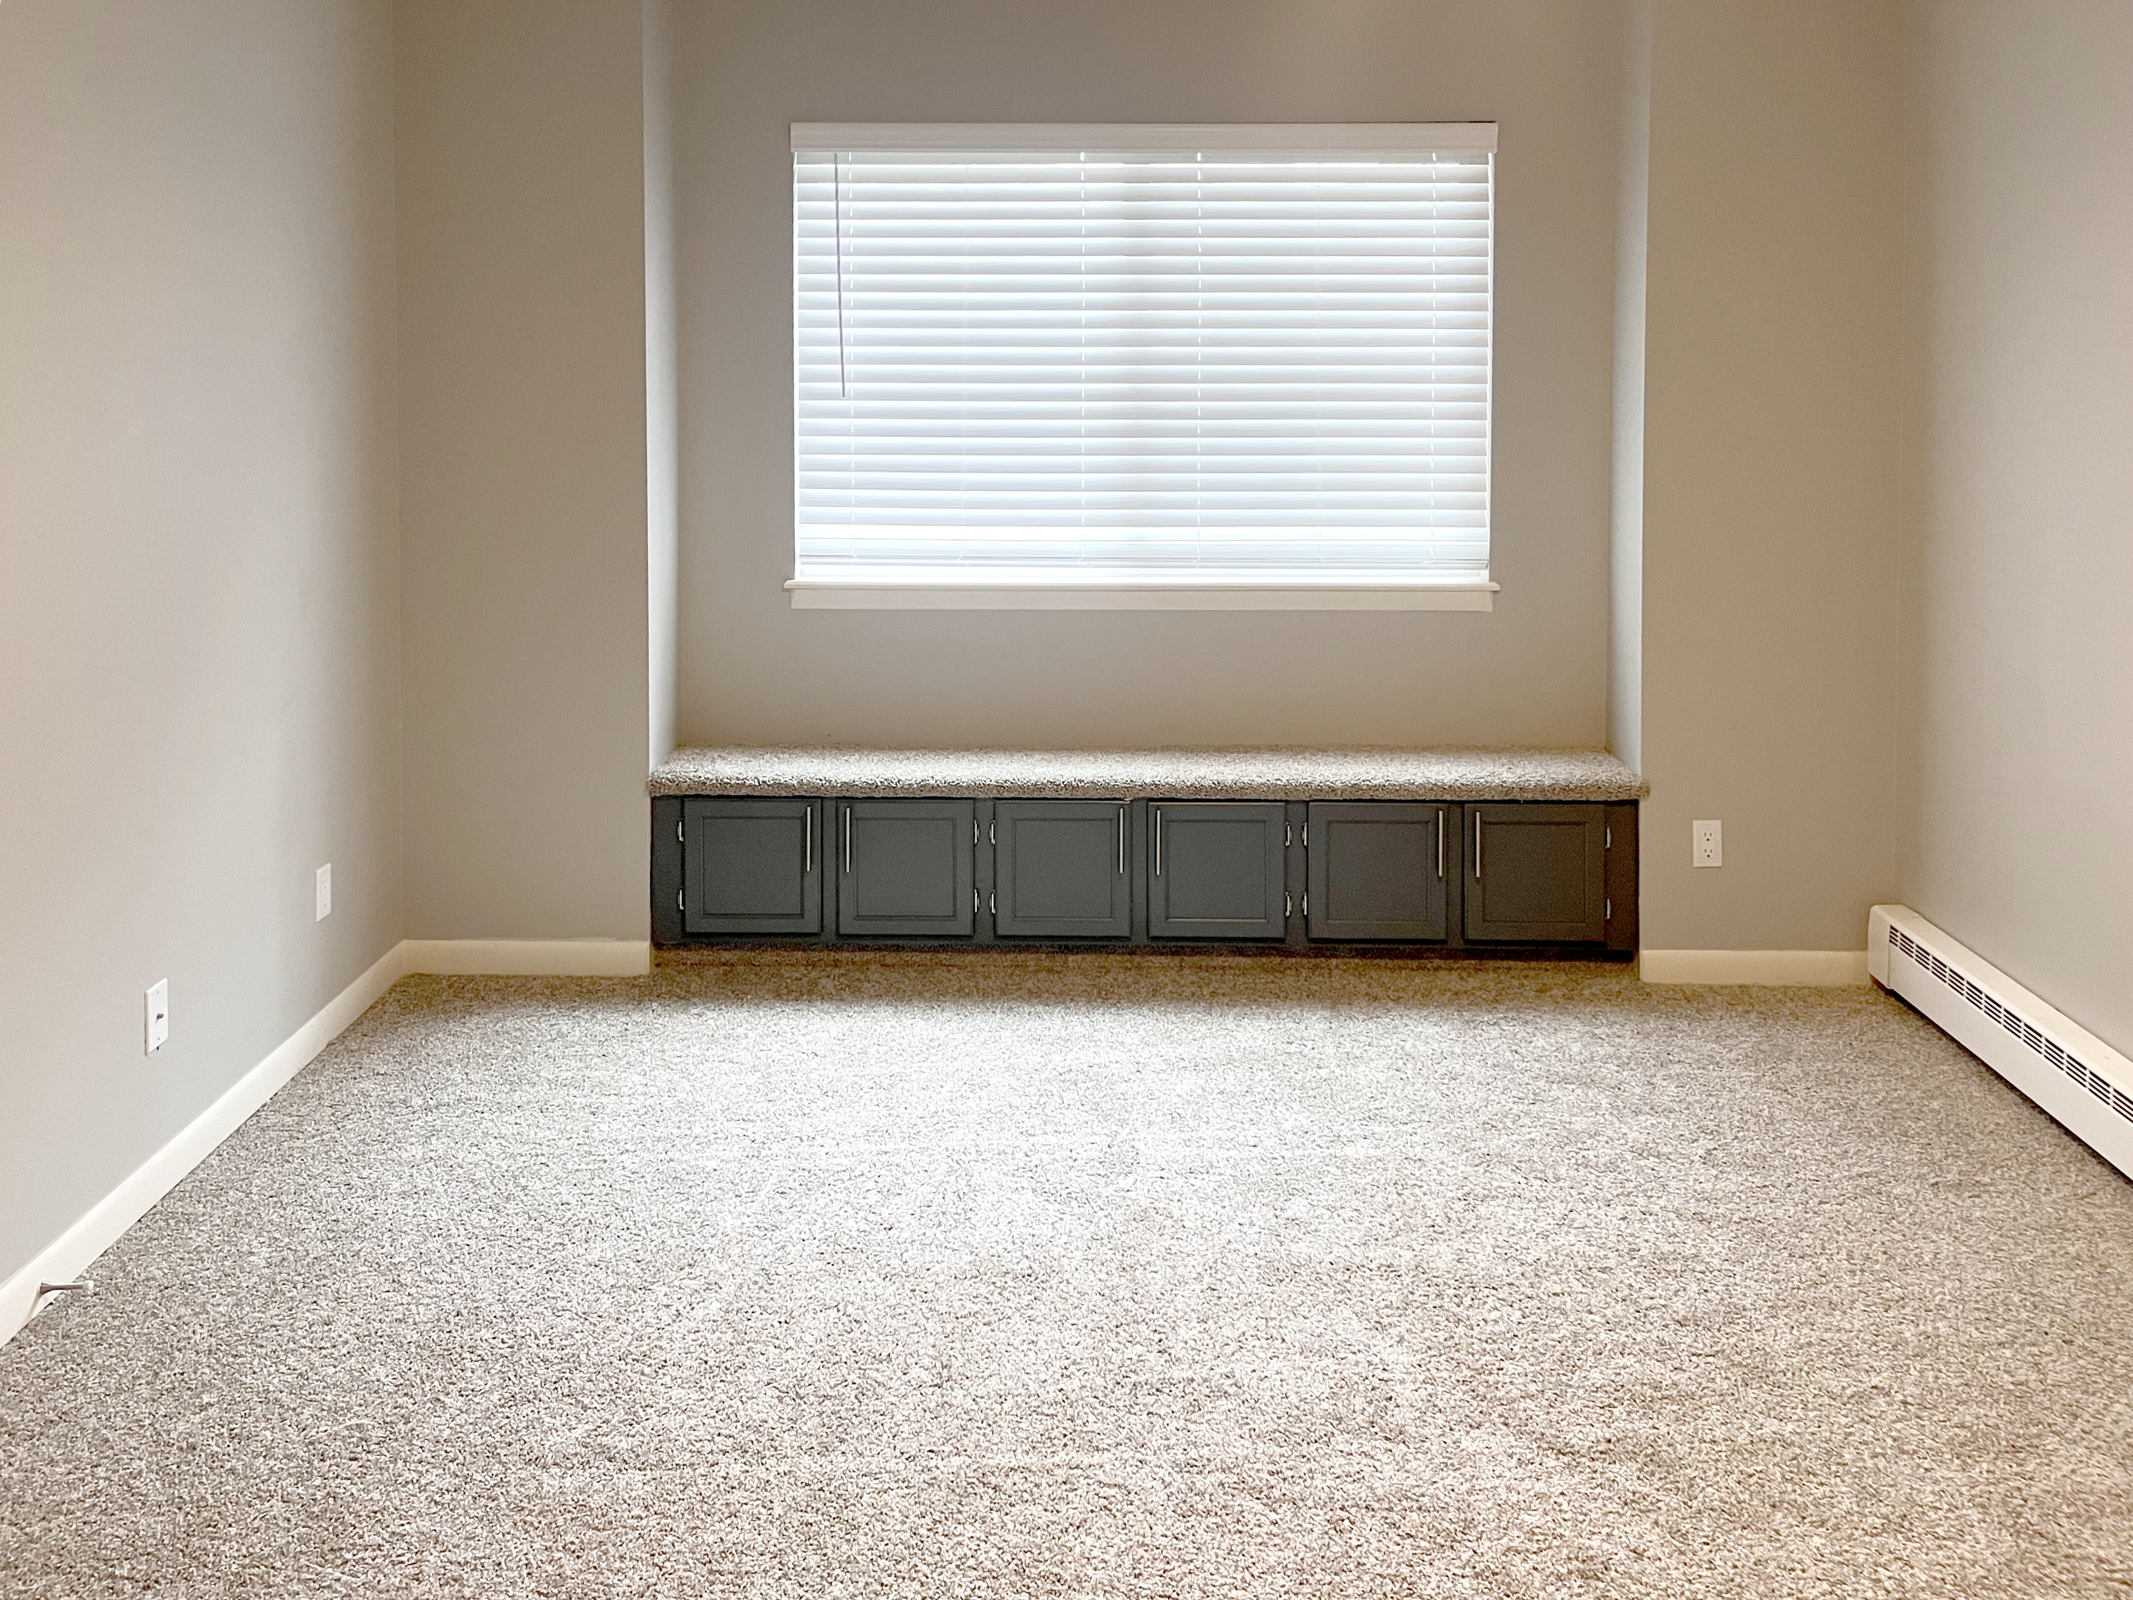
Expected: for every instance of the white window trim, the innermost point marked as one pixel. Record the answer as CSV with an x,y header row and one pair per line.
x,y
816,595
1297,138
1283,138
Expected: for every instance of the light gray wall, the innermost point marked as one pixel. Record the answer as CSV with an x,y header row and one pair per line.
x,y
1772,479
662,384
521,145
1535,670
199,684
1633,197
2019,799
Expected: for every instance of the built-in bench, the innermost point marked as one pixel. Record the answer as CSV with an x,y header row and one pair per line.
x,y
1468,850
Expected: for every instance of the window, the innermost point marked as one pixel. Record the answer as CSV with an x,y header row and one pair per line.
x,y
1149,366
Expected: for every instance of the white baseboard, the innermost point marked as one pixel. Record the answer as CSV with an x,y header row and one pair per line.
x,y
65,1257
1817,968
529,958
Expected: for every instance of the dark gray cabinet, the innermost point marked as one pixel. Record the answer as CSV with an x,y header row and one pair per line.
x,y
1536,873
1379,869
1060,870
1621,900
751,866
1216,870
1311,874
907,867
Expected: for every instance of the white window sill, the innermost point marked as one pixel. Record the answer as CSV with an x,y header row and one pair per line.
x,y
820,595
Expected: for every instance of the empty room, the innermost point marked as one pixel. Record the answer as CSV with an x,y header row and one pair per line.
x,y
1066,798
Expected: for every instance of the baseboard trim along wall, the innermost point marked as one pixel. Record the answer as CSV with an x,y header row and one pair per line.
x,y
1792,968
530,958
66,1257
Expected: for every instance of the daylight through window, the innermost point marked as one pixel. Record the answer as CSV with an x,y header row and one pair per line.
x,y
1130,360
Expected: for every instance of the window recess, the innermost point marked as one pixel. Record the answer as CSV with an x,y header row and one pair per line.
x,y
1146,366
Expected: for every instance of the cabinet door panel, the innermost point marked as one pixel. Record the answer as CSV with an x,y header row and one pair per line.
x,y
1061,869
1216,871
1378,870
751,866
907,867
1536,873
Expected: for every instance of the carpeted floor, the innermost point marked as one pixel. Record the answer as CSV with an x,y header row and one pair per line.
x,y
895,1275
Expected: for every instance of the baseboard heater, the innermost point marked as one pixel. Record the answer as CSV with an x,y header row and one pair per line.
x,y
2073,1075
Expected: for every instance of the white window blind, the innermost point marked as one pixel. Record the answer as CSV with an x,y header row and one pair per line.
x,y
1143,357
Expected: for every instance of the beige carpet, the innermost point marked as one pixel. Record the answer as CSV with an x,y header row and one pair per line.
x,y
1274,773
875,1275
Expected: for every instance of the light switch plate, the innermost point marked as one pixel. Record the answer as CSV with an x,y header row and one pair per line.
x,y
156,1015
325,893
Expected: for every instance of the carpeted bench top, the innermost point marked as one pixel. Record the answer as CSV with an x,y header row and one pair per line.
x,y
1180,774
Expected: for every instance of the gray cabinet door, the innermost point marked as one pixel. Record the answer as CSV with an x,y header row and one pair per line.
x,y
1378,870
907,867
1060,869
751,866
1215,870
1536,873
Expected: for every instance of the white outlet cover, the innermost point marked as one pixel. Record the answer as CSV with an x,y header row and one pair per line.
x,y
325,893
156,1014
1707,844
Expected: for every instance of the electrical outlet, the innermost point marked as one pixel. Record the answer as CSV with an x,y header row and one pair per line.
x,y
1707,847
157,1015
325,893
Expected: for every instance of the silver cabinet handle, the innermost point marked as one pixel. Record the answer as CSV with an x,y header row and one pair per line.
x,y
1121,841
1288,904
809,864
1440,844
847,841
1477,847
975,837
1158,841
